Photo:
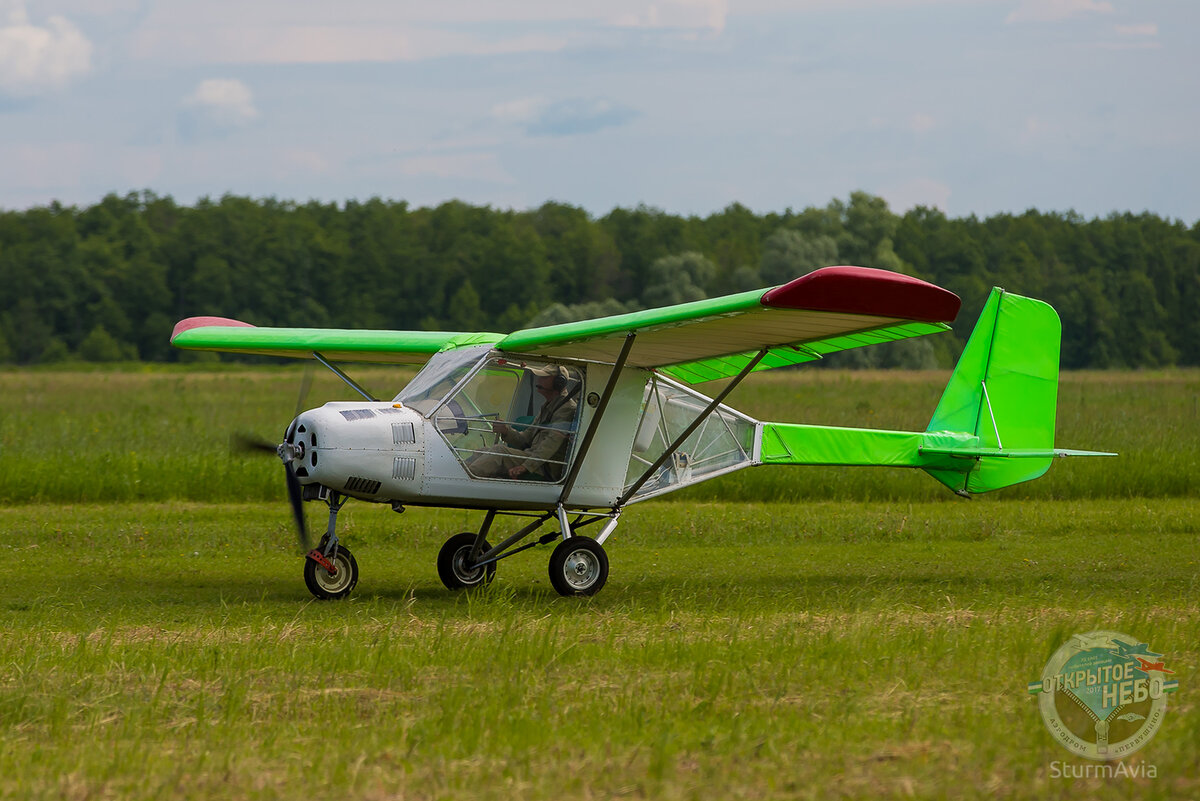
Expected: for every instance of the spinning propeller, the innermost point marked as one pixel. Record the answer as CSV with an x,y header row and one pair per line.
x,y
289,451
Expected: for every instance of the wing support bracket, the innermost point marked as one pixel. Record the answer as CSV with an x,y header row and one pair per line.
x,y
350,382
687,432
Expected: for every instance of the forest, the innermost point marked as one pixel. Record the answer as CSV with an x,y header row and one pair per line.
x,y
107,282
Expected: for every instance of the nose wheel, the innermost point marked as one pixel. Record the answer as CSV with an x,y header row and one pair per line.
x,y
327,584
578,566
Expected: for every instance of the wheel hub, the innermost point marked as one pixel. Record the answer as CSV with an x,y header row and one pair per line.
x,y
581,569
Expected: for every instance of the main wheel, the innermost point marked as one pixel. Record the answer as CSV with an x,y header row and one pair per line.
x,y
578,566
330,588
454,563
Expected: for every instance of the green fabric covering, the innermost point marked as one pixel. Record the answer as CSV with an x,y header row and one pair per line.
x,y
1013,352
350,345
695,372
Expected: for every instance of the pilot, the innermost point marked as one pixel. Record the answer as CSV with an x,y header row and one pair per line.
x,y
537,451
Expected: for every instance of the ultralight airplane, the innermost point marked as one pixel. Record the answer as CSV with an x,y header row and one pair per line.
x,y
568,424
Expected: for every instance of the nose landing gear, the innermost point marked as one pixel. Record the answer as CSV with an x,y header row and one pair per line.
x,y
330,570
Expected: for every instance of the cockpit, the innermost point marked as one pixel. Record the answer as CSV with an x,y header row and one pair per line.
x,y
504,417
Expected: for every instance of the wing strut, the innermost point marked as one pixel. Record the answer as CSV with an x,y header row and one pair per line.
x,y
349,381
597,417
687,432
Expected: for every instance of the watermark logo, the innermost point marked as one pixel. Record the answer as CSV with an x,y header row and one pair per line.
x,y
1103,695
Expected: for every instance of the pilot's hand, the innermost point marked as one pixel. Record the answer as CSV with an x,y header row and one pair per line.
x,y
500,428
518,471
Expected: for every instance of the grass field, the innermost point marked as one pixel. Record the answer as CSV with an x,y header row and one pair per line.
x,y
159,642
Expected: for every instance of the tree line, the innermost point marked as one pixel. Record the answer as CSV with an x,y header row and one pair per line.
x,y
107,282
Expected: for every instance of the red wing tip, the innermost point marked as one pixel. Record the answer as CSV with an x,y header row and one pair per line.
x,y
866,290
206,322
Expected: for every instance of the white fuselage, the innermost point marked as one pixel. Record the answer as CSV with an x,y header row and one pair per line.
x,y
388,452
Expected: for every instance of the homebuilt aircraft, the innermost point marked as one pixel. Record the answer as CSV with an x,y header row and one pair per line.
x,y
568,424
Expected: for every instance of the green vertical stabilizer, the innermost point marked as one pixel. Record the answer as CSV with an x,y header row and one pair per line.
x,y
1004,391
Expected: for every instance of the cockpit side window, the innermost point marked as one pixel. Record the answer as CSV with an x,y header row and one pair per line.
x,y
514,420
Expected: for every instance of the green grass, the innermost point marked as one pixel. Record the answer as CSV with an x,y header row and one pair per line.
x,y
162,434
871,636
755,651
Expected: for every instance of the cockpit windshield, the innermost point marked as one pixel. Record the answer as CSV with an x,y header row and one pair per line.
x,y
439,376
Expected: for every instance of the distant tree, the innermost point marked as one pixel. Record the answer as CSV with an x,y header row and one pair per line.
x,y
463,312
745,278
100,346
788,254
557,313
1126,286
54,352
677,279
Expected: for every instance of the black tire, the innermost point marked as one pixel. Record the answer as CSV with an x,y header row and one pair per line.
x,y
578,566
453,559
331,588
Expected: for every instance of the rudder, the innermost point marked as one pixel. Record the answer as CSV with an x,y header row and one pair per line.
x,y
1004,392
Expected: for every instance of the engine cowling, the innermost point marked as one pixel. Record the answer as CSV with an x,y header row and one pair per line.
x,y
371,451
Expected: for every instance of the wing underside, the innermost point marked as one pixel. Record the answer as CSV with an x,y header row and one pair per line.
x,y
831,309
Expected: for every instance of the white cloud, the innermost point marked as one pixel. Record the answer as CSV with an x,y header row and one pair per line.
x,y
1036,129
1057,10
690,14
305,31
921,123
1144,29
568,117
522,110
324,44
217,106
35,60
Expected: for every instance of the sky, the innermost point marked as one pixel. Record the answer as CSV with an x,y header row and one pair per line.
x,y
971,106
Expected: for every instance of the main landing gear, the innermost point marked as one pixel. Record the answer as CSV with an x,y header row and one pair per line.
x,y
578,565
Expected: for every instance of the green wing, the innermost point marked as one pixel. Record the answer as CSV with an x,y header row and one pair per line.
x,y
831,309
348,345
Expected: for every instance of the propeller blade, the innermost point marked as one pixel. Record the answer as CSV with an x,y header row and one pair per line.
x,y
297,502
305,386
243,442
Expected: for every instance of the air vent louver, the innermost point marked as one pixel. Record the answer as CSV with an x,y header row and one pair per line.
x,y
403,433
362,486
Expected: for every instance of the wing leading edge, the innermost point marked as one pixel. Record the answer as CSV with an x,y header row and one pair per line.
x,y
345,345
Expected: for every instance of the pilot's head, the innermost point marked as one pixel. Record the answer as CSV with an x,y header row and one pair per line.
x,y
550,380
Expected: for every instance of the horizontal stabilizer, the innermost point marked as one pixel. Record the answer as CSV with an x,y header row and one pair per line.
x,y
1013,453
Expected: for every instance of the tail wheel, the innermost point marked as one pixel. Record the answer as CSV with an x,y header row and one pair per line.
x,y
331,587
578,566
454,563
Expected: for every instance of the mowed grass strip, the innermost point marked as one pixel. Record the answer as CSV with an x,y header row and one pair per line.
x,y
756,651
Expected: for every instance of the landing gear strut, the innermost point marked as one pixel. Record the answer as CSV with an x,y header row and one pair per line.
x,y
330,570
